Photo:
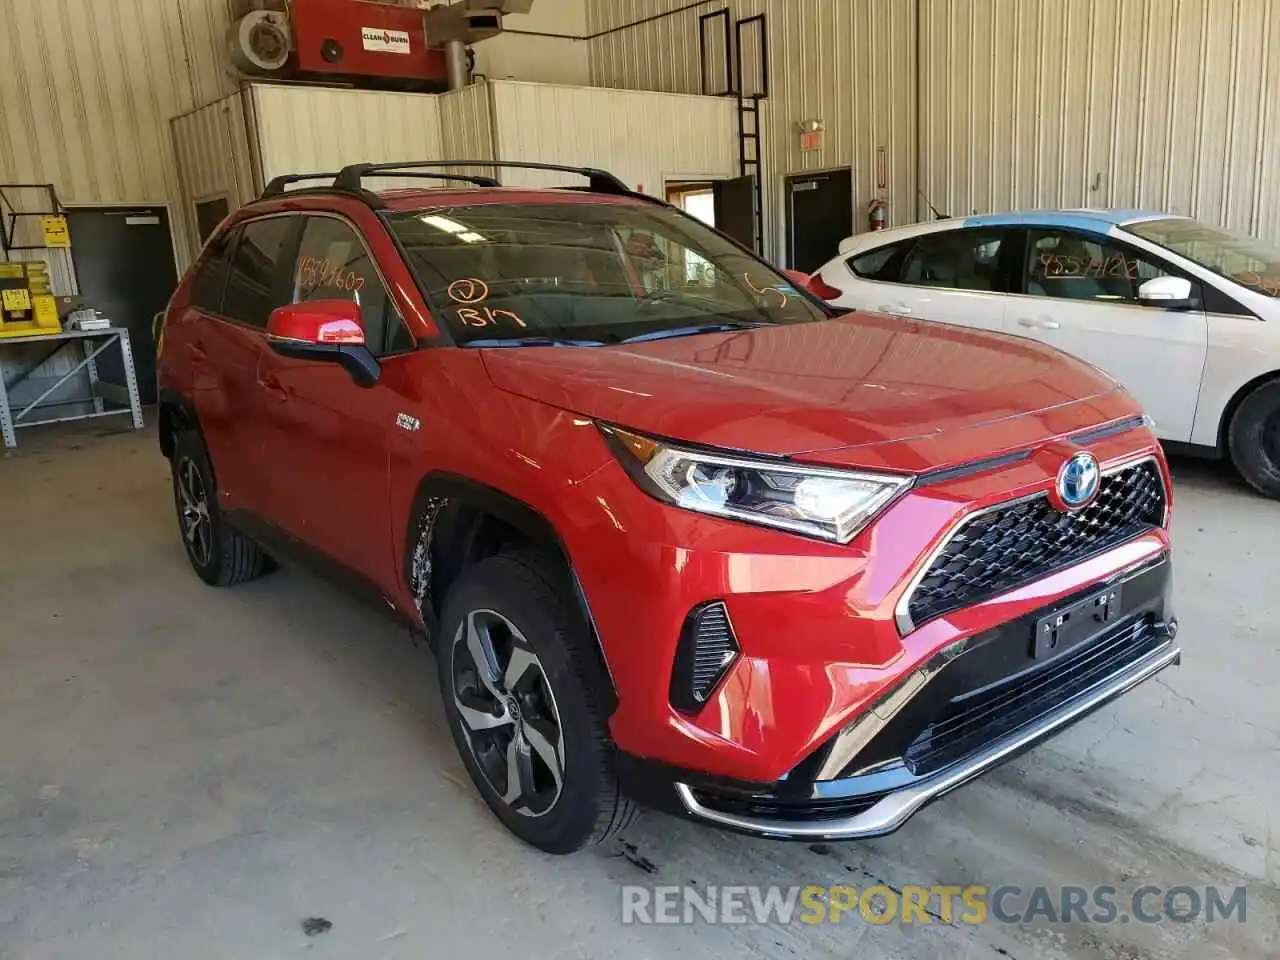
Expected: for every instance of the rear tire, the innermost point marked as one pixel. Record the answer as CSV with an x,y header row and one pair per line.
x,y
529,707
1254,439
219,554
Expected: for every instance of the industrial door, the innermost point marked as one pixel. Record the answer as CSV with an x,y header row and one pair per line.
x,y
125,269
819,217
736,211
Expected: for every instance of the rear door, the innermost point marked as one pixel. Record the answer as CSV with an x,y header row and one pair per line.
x,y
1079,293
328,442
961,277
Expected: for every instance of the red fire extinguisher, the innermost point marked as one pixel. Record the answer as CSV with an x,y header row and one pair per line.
x,y
878,214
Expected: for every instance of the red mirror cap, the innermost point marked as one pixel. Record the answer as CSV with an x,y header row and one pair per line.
x,y
318,322
798,279
823,290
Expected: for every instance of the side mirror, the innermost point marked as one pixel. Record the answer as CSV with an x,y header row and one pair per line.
x,y
798,280
814,284
324,330
1170,293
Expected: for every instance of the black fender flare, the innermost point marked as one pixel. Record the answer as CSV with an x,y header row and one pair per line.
x,y
442,487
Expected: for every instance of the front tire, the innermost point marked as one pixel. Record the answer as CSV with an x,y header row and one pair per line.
x,y
219,554
1254,439
513,661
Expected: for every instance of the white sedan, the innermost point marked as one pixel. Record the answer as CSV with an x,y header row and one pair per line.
x,y
1185,315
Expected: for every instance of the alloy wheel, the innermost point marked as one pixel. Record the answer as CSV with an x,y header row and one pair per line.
x,y
193,511
508,712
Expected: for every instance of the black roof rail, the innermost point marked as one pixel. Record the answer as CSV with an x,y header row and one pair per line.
x,y
276,188
600,181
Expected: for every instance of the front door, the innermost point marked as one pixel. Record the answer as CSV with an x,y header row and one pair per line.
x,y
328,441
125,270
819,217
1080,294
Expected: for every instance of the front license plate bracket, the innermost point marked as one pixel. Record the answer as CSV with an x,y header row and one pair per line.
x,y
1071,626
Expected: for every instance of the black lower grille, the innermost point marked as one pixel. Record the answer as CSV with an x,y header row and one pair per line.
x,y
1003,549
706,651
775,809
970,722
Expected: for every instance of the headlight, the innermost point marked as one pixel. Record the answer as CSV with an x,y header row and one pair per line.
x,y
830,504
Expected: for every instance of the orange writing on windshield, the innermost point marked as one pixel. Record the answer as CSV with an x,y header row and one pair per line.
x,y
761,291
484,316
468,290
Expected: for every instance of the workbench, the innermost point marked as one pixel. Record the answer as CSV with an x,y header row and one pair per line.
x,y
89,345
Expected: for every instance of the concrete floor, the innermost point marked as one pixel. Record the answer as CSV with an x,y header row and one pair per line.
x,y
191,773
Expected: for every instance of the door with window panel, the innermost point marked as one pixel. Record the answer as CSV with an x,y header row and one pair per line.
x,y
1081,295
329,441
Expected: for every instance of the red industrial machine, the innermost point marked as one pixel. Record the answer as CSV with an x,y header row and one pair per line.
x,y
395,44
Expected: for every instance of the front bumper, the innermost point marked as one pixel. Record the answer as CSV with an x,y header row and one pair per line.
x,y
893,776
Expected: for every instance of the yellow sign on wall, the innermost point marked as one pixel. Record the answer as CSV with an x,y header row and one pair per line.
x,y
55,232
16,299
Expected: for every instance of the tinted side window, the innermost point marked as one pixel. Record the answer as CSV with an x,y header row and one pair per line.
x,y
211,274
333,264
259,278
958,259
1074,266
874,264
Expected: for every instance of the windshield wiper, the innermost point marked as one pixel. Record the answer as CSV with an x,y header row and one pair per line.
x,y
533,342
693,331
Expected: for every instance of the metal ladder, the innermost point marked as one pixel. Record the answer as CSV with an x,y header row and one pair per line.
x,y
749,156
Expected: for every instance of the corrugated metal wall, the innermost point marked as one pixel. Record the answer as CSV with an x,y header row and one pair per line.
x,y
1170,104
87,88
849,63
213,156
466,125
321,128
642,137
1025,103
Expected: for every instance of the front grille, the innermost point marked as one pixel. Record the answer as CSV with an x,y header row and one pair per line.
x,y
971,722
1008,547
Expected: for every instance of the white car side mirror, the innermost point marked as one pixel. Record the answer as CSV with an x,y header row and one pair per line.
x,y
1170,292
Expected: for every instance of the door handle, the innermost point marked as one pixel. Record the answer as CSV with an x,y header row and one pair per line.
x,y
1038,323
897,309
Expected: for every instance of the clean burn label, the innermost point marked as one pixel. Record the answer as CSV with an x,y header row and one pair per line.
x,y
385,41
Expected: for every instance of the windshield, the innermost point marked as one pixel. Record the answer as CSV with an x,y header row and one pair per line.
x,y
1247,261
587,274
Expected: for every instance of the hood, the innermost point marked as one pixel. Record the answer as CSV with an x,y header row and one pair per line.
x,y
886,391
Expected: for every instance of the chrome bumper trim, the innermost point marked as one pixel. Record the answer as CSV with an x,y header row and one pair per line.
x,y
894,810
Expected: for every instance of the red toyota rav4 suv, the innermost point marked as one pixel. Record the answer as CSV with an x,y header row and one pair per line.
x,y
679,533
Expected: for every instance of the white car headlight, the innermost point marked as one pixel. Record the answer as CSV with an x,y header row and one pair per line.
x,y
832,505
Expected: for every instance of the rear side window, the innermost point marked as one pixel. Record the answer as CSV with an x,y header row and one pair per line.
x,y
258,280
334,264
211,274
874,264
958,260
